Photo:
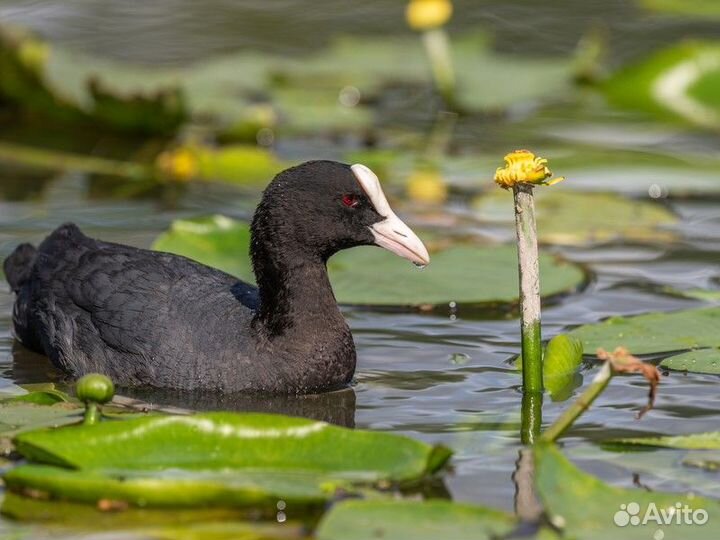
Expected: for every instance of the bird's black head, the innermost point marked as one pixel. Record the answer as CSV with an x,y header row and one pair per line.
x,y
320,207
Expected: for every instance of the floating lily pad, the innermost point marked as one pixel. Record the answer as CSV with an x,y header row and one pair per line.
x,y
332,85
73,521
44,397
682,81
226,441
58,83
561,361
702,361
697,294
708,461
220,459
19,416
572,218
701,9
654,332
395,520
176,488
370,276
698,441
562,357
585,507
238,164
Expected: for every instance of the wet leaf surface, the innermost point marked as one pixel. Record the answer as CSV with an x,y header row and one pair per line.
x,y
702,361
395,520
215,459
66,521
585,507
654,332
698,441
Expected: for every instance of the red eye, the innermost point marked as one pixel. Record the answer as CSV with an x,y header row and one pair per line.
x,y
351,201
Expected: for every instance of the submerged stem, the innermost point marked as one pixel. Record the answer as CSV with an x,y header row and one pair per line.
x,y
530,417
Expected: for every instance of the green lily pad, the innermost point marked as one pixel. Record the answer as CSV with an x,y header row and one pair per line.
x,y
708,461
561,361
176,488
395,520
698,441
44,397
69,86
370,276
585,507
226,441
67,520
215,459
701,9
573,218
702,361
682,82
562,357
697,294
262,90
19,416
654,332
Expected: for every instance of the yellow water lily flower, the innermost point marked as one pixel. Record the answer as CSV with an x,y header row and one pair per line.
x,y
180,164
428,14
523,167
427,186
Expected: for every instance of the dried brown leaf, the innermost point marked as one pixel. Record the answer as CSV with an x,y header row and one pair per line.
x,y
621,361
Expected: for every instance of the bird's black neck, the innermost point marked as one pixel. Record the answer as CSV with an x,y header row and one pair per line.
x,y
295,291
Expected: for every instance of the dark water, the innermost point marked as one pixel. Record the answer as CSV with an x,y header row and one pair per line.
x,y
438,378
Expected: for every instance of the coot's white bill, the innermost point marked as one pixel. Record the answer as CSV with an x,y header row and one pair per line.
x,y
391,233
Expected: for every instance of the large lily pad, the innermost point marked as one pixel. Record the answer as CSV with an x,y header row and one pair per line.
x,y
701,361
262,90
585,507
226,441
682,81
74,521
176,488
214,459
701,9
18,415
572,218
697,441
395,520
654,332
464,273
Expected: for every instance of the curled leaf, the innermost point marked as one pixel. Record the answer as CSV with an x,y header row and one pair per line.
x,y
621,361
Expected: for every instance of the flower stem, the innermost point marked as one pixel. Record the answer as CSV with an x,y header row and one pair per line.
x,y
92,413
438,50
581,404
529,269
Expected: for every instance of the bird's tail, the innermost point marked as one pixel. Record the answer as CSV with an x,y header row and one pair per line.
x,y
18,266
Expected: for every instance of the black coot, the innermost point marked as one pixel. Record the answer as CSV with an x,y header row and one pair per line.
x,y
147,318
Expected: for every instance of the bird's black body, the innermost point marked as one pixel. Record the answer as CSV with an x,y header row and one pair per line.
x,y
147,318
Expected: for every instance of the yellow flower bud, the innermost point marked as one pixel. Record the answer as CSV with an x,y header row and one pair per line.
x,y
180,164
428,14
522,167
427,186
